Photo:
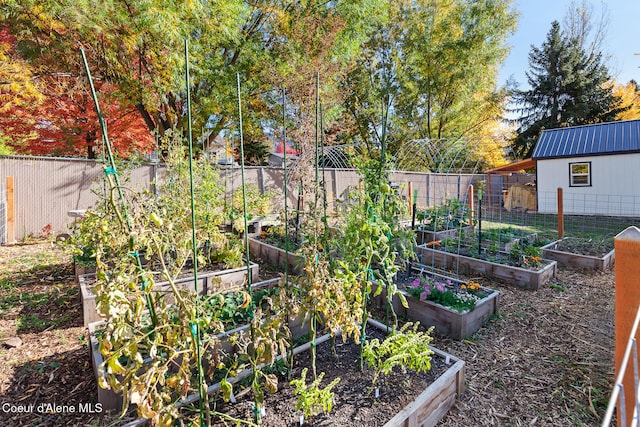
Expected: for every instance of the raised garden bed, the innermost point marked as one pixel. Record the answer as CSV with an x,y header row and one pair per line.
x,y
505,239
457,324
425,236
405,399
228,279
521,277
113,401
276,256
83,269
562,252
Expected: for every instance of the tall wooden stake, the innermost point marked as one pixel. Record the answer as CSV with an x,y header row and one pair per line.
x,y
560,214
11,211
627,296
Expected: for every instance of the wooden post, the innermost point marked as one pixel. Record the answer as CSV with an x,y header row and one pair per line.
x,y
560,214
261,178
472,214
409,201
11,211
627,271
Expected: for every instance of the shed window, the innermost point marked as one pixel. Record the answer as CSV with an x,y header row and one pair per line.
x,y
580,174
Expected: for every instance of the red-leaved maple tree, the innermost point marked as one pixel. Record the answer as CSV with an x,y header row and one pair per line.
x,y
61,120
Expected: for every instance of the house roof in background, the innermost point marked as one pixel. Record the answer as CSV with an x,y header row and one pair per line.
x,y
589,140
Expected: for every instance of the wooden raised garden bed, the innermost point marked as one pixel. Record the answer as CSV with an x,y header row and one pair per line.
x,y
425,236
113,401
426,409
275,256
447,321
571,259
80,269
229,279
518,276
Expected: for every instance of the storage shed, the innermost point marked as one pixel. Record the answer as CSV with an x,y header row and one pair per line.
x,y
597,166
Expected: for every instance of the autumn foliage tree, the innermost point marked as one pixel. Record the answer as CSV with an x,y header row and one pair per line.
x,y
45,113
17,89
435,63
66,124
432,66
137,46
629,95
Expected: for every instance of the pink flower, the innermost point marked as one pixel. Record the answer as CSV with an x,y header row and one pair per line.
x,y
425,294
416,283
440,286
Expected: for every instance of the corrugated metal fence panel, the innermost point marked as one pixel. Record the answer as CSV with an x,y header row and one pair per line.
x,y
3,209
46,189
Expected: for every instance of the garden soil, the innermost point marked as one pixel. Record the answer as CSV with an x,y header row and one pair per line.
x,y
545,360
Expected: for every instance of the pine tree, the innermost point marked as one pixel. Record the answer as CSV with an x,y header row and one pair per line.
x,y
568,88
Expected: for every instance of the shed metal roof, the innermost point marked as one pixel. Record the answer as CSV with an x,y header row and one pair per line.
x,y
589,140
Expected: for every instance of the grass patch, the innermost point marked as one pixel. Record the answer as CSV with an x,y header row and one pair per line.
x,y
34,323
7,285
582,226
23,299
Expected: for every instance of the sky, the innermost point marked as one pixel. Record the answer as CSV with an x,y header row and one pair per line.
x,y
622,41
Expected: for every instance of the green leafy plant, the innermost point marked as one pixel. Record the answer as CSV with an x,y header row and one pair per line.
x,y
528,256
444,292
451,214
406,347
448,244
275,236
313,399
372,245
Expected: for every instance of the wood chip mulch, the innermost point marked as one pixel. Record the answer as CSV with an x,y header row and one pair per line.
x,y
545,360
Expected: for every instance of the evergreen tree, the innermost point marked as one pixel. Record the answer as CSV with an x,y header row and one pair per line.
x,y
568,88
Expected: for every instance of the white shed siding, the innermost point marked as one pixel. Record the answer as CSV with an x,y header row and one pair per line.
x,y
614,190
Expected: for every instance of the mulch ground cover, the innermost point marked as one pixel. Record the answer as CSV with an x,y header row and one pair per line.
x,y
545,360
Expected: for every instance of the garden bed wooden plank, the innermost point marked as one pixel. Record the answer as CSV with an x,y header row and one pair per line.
x,y
426,236
520,277
447,322
433,403
570,259
276,256
229,279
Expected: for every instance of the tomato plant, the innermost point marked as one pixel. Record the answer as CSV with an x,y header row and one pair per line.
x,y
154,342
372,243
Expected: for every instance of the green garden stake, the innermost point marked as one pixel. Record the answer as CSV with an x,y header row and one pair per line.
x,y
111,174
254,375
204,401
